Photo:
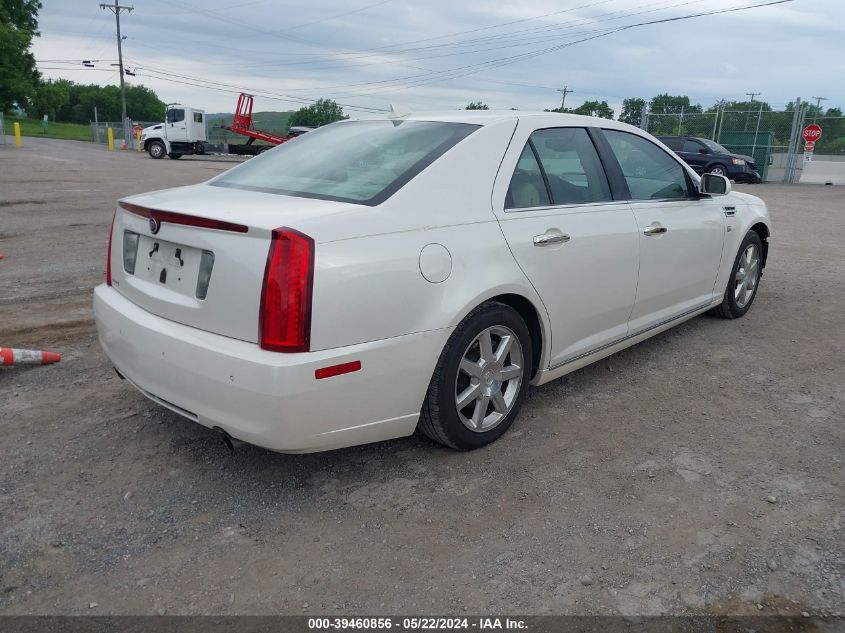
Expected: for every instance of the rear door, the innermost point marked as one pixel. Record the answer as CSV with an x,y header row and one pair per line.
x,y
681,234
692,153
576,244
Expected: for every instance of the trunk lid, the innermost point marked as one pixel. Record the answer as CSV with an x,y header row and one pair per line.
x,y
200,252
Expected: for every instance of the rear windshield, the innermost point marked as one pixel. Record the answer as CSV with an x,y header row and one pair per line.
x,y
363,162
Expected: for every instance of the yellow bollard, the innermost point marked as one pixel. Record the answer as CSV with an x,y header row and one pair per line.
x,y
110,134
17,134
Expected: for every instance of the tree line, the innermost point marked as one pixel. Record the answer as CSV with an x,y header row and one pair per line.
x,y
678,115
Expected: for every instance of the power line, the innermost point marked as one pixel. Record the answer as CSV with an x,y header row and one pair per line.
x,y
752,95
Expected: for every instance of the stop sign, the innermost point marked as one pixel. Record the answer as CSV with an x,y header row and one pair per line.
x,y
812,133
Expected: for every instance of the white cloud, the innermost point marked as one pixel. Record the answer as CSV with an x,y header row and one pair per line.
x,y
782,51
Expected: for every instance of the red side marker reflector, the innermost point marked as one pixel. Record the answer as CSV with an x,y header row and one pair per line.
x,y
337,370
181,218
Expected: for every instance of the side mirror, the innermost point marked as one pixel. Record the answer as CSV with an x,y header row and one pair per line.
x,y
704,150
714,185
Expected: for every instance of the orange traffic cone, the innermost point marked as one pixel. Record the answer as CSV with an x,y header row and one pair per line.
x,y
9,356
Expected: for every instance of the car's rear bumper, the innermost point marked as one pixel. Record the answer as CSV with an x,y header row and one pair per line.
x,y
267,398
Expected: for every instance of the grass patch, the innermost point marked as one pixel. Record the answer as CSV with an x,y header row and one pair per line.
x,y
33,127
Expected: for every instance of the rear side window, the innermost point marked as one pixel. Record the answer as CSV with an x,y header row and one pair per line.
x,y
650,172
572,166
527,188
568,172
672,142
197,117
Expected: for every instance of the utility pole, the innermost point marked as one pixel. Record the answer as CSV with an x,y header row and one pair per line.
x,y
753,94
818,106
116,9
564,91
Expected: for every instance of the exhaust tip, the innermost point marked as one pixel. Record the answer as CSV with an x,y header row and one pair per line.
x,y
231,442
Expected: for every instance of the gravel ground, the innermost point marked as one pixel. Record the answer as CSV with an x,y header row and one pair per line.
x,y
698,472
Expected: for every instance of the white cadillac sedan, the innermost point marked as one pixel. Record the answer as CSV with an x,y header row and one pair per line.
x,y
419,272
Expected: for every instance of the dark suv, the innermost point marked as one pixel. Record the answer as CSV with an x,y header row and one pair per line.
x,y
705,156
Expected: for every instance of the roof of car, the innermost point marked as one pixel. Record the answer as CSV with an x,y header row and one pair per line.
x,y
487,117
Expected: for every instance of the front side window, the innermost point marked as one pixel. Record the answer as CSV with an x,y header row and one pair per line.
x,y
175,115
362,162
692,147
650,172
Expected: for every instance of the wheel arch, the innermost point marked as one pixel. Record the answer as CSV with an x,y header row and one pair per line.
x,y
155,139
530,313
762,230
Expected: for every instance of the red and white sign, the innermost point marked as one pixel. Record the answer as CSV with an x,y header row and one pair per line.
x,y
809,146
812,133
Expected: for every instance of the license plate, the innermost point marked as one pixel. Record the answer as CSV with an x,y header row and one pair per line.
x,y
174,266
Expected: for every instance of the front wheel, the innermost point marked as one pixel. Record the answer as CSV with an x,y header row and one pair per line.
x,y
156,149
480,380
719,170
744,279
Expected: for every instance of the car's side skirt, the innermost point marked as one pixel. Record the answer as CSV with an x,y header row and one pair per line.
x,y
582,360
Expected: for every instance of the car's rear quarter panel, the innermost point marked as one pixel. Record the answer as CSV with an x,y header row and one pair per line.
x,y
370,286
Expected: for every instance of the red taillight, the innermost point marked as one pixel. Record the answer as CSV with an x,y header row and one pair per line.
x,y
108,260
284,322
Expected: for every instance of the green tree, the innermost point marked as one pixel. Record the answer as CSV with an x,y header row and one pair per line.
x,y
632,110
477,105
18,75
50,97
594,108
322,112
669,104
142,104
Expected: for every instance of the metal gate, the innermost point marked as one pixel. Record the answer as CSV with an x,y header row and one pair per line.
x,y
771,137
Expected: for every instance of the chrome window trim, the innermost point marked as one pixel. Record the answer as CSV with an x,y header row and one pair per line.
x,y
555,207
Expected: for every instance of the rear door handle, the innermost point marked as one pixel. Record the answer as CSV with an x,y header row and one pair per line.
x,y
550,238
654,229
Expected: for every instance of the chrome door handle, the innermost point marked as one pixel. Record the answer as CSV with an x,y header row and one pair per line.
x,y
654,229
550,238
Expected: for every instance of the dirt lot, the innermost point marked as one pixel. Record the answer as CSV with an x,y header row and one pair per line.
x,y
699,472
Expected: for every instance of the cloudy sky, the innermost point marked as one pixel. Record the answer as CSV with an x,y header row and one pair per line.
x,y
441,54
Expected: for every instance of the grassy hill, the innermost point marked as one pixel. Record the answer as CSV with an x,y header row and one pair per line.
x,y
276,122
32,127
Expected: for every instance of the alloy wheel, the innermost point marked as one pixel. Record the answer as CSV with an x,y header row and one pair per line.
x,y
747,276
489,378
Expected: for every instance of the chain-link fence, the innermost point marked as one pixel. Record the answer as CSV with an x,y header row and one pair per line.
x,y
2,129
771,137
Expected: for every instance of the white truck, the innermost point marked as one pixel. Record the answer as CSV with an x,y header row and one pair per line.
x,y
183,132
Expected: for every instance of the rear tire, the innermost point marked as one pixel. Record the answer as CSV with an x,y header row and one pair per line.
x,y
744,280
486,366
156,149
